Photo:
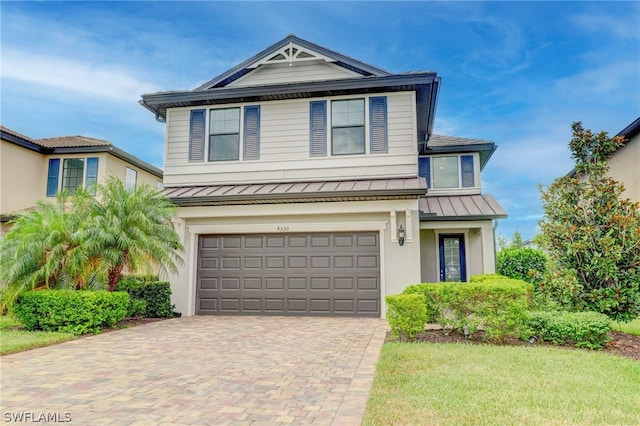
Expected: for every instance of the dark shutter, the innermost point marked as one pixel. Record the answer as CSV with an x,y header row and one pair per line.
x,y
424,169
466,166
378,124
196,135
52,177
251,145
92,175
318,131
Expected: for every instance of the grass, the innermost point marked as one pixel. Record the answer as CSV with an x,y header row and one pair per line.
x,y
452,384
632,327
15,338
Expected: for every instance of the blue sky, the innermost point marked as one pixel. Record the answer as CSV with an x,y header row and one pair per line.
x,y
516,73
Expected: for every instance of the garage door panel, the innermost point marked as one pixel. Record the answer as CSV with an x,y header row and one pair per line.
x,y
289,274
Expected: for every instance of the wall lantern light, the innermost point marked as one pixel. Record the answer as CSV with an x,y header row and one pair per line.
x,y
401,235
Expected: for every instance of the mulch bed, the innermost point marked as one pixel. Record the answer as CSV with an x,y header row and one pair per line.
x,y
626,345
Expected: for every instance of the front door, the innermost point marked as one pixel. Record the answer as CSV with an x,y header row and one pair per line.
x,y
452,260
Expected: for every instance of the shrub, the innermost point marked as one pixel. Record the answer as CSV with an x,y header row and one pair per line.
x,y
156,294
72,311
407,315
581,329
429,292
496,303
524,263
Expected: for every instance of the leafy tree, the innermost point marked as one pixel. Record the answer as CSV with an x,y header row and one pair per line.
x,y
591,233
86,242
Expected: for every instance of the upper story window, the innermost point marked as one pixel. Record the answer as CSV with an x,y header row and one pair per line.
x,y
352,121
448,172
224,134
228,128
76,172
347,127
130,178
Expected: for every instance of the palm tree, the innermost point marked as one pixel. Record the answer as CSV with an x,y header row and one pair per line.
x,y
87,242
131,229
45,249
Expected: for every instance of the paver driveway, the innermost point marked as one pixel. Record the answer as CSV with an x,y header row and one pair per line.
x,y
201,370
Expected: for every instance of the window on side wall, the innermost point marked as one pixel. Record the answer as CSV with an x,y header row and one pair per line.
x,y
347,127
130,178
448,172
74,173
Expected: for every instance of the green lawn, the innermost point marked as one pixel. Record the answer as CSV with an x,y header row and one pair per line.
x,y
453,384
632,327
14,338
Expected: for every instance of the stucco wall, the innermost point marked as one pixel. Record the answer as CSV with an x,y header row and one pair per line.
x,y
624,167
23,176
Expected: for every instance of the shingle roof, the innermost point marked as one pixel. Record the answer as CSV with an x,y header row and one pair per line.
x,y
438,144
296,192
441,140
460,207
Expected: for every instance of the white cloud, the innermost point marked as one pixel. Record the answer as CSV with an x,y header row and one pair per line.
x,y
94,79
624,26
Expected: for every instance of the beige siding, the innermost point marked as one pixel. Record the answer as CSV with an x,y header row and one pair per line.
x,y
284,149
297,72
23,178
624,167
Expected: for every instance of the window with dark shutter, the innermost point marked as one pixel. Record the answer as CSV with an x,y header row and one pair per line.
x,y
92,175
424,169
251,149
53,176
196,135
378,124
318,137
466,167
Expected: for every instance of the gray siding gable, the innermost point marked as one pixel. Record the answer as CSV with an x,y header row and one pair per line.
x,y
339,59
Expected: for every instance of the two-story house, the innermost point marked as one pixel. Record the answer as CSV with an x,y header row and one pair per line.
x,y
624,164
309,182
37,169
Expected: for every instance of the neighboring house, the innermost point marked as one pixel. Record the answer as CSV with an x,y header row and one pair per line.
x,y
309,182
37,169
624,165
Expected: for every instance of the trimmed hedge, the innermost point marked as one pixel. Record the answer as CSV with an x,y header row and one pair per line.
x,y
155,294
495,303
523,263
72,311
582,329
407,315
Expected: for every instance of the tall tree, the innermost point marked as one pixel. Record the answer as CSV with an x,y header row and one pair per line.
x,y
591,233
132,230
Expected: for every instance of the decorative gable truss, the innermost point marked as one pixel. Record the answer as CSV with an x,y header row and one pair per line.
x,y
290,54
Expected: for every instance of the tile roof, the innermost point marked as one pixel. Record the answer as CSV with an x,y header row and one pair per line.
x,y
460,207
14,133
297,192
71,142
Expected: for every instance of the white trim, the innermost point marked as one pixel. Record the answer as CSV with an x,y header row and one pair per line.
x,y
393,225
408,225
193,263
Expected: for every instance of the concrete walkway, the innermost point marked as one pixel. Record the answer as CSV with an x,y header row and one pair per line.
x,y
201,370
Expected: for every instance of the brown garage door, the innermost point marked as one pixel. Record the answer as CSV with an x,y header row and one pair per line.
x,y
289,274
